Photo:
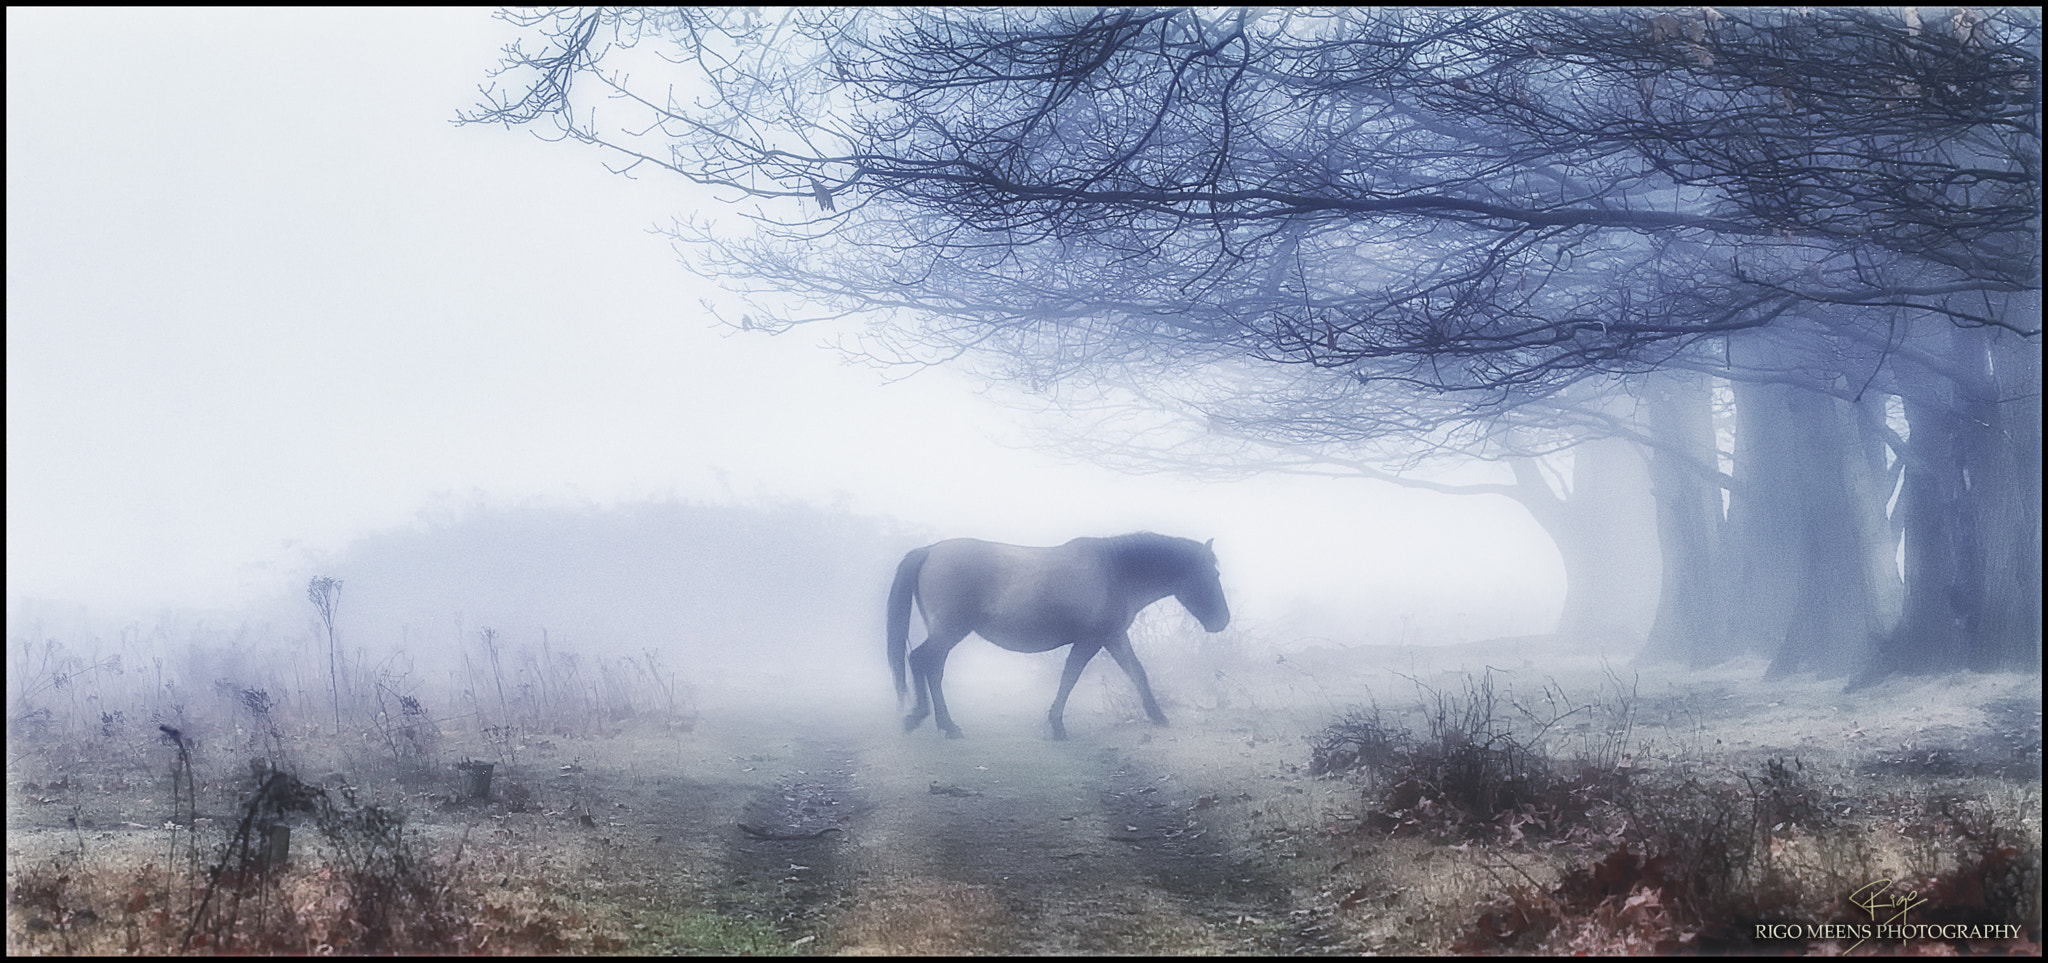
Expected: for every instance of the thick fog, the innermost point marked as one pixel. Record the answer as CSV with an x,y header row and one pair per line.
x,y
1546,438
272,316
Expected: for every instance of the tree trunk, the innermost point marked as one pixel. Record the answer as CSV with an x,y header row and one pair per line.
x,y
1930,634
1809,560
1606,533
1843,601
1689,523
2011,507
1764,559
1971,504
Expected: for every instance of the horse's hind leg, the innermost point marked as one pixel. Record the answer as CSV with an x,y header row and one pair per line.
x,y
927,670
1120,650
1077,659
923,707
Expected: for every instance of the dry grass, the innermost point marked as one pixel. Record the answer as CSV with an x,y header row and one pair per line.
x,y
924,917
1622,856
1481,818
139,810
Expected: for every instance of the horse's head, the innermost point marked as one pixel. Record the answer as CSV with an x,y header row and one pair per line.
x,y
1201,590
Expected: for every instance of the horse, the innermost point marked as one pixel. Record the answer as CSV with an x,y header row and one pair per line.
x,y
1084,594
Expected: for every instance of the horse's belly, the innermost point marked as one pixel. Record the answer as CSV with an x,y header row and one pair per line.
x,y
1023,640
1043,628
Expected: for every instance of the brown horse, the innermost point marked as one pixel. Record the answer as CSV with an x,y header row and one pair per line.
x,y
1084,594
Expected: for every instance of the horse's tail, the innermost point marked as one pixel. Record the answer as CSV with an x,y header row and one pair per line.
x,y
900,596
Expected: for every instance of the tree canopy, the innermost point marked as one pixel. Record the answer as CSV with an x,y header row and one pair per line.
x,y
1344,188
1477,220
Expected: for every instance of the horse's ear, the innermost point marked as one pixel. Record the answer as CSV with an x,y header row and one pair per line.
x,y
1210,545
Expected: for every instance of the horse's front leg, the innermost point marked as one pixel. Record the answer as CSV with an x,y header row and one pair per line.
x,y
1077,659
1120,650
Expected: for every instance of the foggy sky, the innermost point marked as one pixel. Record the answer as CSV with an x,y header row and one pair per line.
x,y
264,298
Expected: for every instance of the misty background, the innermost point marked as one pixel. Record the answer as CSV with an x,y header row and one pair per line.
x,y
272,316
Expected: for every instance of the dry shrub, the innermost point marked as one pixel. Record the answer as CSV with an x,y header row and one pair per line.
x,y
1686,867
1698,865
1995,872
1475,773
375,894
1668,862
396,898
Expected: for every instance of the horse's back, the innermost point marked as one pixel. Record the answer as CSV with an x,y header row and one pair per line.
x,y
994,573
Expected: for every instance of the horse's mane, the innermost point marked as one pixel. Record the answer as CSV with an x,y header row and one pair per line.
x,y
1151,556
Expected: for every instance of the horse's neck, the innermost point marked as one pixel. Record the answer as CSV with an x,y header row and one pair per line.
x,y
1141,592
1145,575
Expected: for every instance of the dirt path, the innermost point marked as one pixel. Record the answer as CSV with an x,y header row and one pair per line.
x,y
1003,842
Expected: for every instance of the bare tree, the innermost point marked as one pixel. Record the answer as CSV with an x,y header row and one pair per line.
x,y
1467,211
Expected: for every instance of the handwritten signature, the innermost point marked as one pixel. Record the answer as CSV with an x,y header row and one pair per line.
x,y
1872,898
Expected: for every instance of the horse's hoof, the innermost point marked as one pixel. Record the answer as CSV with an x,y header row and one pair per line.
x,y
911,724
1159,720
954,734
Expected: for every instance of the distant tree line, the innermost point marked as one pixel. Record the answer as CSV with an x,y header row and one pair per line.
x,y
1792,256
